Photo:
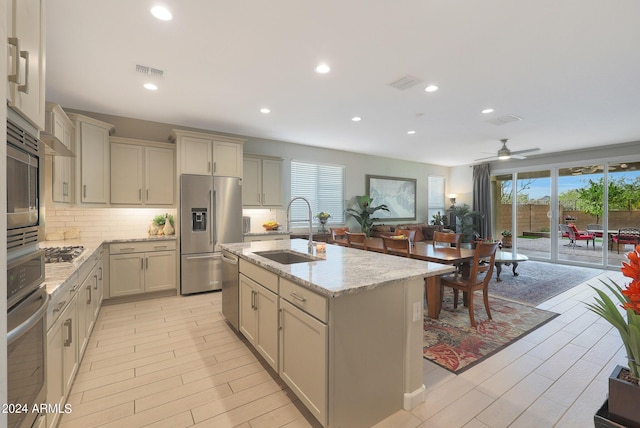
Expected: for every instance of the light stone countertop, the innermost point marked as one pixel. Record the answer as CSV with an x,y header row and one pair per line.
x,y
267,232
343,270
57,275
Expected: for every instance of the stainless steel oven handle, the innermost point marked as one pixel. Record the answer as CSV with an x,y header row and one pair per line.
x,y
17,332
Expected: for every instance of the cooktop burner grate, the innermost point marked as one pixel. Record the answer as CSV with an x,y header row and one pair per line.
x,y
62,254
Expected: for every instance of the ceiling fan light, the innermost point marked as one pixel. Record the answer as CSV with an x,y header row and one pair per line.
x,y
504,153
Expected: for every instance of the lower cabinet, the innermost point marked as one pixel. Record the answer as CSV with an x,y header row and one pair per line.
x,y
259,318
304,358
62,358
141,267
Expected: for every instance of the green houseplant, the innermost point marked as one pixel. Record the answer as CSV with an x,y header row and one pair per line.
x,y
465,217
507,238
624,391
363,214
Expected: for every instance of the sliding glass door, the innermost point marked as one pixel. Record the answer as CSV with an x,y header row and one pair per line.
x,y
623,214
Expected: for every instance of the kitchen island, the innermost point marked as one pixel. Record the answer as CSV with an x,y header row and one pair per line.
x,y
344,329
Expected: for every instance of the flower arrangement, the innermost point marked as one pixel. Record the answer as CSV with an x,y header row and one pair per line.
x,y
323,215
629,299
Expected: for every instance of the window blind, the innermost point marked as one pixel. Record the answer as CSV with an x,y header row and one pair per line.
x,y
323,186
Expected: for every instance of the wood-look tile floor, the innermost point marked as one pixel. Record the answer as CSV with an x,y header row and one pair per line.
x,y
174,362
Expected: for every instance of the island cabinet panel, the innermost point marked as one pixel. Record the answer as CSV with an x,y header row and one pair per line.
x,y
310,302
304,358
259,318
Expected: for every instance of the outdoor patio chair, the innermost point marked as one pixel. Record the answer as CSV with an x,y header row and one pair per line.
x,y
483,263
594,228
578,235
626,235
563,230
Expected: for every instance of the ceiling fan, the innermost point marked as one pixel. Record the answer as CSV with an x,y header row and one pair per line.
x,y
504,153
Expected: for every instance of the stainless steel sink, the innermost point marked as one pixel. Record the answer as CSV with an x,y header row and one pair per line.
x,y
287,257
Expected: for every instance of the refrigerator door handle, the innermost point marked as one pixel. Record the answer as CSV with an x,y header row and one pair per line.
x,y
231,261
212,220
208,256
214,216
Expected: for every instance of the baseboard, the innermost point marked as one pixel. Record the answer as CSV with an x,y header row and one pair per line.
x,y
413,399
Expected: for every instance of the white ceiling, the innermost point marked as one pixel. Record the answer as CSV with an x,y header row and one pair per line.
x,y
570,69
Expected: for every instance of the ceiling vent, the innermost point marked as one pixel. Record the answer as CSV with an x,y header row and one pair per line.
x,y
502,120
149,71
405,82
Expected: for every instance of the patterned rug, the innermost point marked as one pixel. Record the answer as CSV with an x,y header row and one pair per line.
x,y
538,281
452,343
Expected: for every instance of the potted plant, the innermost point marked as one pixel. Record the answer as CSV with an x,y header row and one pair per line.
x,y
465,217
364,212
624,391
438,219
323,217
506,238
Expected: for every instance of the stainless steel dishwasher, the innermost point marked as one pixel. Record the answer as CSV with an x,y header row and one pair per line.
x,y
230,293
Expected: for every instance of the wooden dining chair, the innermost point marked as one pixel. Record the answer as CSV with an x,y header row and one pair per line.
x,y
395,246
481,272
356,240
338,233
450,239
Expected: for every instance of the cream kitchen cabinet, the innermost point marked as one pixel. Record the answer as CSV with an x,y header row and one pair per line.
x,y
142,173
26,62
92,159
262,182
63,357
141,267
208,154
59,135
258,307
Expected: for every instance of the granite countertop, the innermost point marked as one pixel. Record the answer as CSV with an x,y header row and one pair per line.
x,y
58,274
268,232
342,270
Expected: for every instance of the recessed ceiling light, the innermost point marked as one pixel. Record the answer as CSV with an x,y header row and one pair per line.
x,y
487,111
411,132
151,86
162,13
265,110
356,118
323,68
431,88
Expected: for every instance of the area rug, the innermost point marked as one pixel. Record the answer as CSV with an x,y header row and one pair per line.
x,y
452,343
538,281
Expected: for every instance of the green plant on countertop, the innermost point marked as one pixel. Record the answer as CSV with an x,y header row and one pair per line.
x,y
364,211
160,219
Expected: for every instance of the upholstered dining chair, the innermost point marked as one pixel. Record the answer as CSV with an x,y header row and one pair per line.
x,y
395,246
356,240
337,233
446,239
481,272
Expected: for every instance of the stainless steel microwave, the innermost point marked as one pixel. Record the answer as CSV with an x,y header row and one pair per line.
x,y
25,161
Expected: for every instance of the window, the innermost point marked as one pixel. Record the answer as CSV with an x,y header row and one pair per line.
x,y
323,186
436,197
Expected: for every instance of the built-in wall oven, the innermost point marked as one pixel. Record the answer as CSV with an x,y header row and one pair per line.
x,y
27,300
25,155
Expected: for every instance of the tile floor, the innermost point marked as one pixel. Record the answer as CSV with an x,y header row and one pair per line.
x,y
174,362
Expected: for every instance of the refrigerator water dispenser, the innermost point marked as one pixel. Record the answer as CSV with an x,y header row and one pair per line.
x,y
198,219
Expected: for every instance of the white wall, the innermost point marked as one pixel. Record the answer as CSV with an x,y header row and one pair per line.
x,y
461,183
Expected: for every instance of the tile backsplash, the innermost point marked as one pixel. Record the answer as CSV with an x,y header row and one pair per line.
x,y
103,223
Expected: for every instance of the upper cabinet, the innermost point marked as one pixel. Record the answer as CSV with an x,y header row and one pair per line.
x,y
208,154
92,154
142,172
26,59
59,139
262,182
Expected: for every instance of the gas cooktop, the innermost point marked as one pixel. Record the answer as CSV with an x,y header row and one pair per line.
x,y
62,254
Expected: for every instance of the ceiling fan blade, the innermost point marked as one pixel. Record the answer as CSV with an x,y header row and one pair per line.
x,y
520,152
515,156
487,158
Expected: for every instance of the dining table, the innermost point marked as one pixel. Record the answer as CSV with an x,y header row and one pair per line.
x,y
429,253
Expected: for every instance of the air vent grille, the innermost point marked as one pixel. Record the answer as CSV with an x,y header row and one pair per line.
x,y
405,82
503,120
149,71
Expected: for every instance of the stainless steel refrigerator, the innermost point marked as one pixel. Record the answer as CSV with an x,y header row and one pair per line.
x,y
210,214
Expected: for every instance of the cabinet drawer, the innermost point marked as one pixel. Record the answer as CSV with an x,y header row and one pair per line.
x,y
262,276
142,247
305,299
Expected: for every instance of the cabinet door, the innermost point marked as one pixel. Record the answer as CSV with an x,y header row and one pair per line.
x,y
61,180
251,183
267,325
160,176
85,312
55,383
26,91
196,155
304,358
247,308
126,174
69,344
94,142
227,159
98,293
271,182
160,270
126,274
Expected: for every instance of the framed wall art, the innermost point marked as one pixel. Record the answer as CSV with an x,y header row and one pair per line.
x,y
399,194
